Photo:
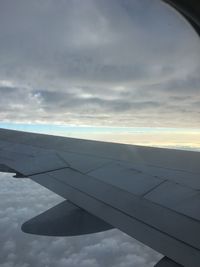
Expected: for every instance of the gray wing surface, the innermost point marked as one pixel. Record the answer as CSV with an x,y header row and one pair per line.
x,y
152,194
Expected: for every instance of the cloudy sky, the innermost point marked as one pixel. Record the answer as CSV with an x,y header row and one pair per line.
x,y
97,62
100,64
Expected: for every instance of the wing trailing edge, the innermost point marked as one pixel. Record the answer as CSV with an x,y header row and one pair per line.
x,y
65,219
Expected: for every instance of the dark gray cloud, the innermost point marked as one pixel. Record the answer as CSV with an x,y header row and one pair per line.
x,y
23,199
124,109
65,61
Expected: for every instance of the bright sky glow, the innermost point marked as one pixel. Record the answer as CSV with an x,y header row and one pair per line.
x,y
181,138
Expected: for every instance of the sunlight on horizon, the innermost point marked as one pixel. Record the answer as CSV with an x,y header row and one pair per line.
x,y
179,138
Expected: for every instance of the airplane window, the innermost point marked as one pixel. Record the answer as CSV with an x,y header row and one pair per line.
x,y
117,71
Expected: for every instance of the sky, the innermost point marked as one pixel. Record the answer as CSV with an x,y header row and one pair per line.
x,y
121,71
97,62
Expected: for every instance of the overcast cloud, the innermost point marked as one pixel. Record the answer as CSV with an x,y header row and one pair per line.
x,y
129,63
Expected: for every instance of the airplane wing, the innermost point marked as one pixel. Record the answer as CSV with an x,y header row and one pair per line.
x,y
152,194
